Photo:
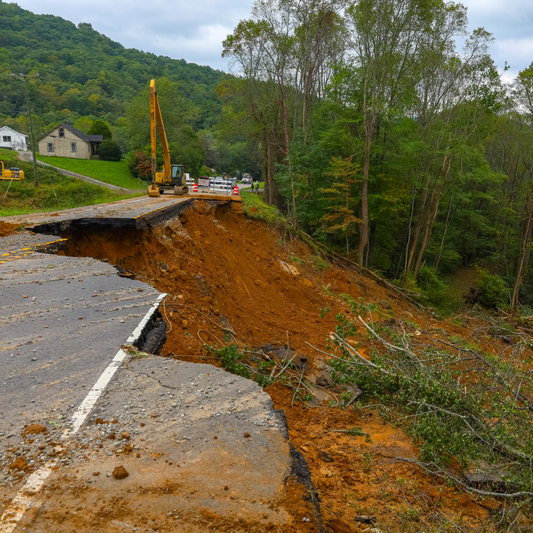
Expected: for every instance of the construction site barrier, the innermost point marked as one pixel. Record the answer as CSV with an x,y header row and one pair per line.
x,y
204,185
221,186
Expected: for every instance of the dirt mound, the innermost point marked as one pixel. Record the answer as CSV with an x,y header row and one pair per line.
x,y
35,429
229,277
7,228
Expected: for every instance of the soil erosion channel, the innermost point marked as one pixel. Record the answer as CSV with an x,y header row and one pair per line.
x,y
229,280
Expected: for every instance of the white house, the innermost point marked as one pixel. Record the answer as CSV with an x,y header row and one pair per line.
x,y
11,139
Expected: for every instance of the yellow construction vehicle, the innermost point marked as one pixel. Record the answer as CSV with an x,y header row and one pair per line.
x,y
14,173
172,177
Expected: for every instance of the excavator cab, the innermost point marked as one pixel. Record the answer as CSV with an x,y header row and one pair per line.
x,y
177,175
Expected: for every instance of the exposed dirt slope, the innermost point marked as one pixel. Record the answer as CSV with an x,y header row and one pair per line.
x,y
7,228
222,270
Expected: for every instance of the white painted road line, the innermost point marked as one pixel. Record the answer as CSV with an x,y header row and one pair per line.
x,y
23,500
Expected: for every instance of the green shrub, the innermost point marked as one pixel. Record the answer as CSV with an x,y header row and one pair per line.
x,y
492,290
109,151
320,263
431,285
139,165
231,358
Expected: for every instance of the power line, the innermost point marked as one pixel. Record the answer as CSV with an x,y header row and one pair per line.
x,y
25,78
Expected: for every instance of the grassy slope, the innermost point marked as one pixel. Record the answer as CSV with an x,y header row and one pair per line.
x,y
6,154
255,207
113,172
55,191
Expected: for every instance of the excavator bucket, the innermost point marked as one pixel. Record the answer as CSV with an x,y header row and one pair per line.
x,y
153,191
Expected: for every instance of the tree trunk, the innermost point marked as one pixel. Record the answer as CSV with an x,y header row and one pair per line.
x,y
421,217
410,228
526,243
433,211
418,225
369,128
269,172
430,219
439,255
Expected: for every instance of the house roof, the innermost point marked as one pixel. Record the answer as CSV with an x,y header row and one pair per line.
x,y
78,133
7,128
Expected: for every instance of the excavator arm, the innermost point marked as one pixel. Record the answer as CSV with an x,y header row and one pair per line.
x,y
156,118
171,176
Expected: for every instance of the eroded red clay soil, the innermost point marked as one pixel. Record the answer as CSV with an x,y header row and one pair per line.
x,y
222,270
7,229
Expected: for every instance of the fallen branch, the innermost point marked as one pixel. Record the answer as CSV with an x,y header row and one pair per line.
x,y
446,475
365,362
501,447
411,355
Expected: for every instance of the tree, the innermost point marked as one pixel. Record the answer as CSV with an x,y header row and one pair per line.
x,y
392,38
99,127
84,124
523,97
109,150
139,165
340,211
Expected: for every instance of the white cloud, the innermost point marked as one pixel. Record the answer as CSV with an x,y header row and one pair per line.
x,y
520,50
510,21
180,29
194,30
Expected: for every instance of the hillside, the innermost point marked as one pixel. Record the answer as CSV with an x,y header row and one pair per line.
x,y
382,412
86,74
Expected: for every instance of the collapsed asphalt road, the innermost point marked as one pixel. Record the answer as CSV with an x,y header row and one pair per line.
x,y
199,449
209,441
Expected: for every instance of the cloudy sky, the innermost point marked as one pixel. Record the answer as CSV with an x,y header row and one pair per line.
x,y
194,29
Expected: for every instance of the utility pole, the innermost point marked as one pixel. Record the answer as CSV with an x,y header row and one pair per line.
x,y
25,77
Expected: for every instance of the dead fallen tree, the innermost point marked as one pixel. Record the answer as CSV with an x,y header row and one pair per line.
x,y
344,262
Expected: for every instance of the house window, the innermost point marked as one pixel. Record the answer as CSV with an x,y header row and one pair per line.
x,y
7,138
50,147
73,147
61,132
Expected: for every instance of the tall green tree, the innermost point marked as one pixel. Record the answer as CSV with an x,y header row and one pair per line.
x,y
100,127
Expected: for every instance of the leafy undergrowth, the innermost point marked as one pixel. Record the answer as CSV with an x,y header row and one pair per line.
x,y
112,172
54,192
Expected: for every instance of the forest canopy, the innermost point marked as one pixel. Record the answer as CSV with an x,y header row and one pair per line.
x,y
384,139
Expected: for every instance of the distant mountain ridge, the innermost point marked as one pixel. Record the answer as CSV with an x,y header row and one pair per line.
x,y
85,73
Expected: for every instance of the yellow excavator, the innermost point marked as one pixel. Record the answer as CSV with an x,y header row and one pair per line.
x,y
14,173
172,177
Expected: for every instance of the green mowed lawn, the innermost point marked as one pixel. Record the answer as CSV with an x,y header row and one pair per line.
x,y
6,154
112,172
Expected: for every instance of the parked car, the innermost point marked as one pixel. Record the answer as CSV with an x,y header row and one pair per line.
x,y
246,179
